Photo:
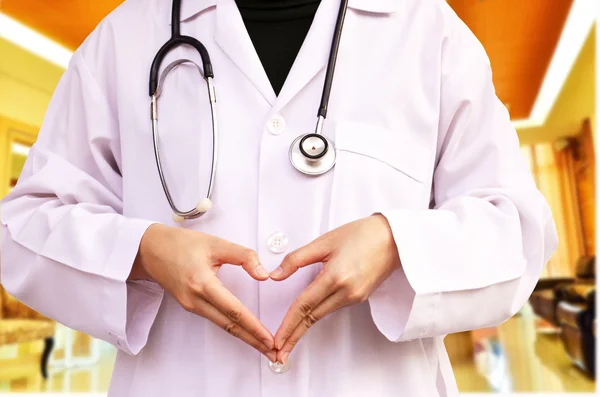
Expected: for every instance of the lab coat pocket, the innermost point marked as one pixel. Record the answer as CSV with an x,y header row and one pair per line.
x,y
377,169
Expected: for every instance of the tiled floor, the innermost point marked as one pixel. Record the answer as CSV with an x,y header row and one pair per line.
x,y
519,360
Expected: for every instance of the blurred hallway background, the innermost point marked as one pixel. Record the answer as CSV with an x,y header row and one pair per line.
x,y
543,56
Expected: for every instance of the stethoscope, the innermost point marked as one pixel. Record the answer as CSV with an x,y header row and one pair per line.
x,y
311,154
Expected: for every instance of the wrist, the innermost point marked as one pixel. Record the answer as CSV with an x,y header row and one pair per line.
x,y
388,239
138,273
147,255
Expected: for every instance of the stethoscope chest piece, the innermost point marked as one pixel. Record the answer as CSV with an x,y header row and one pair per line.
x,y
313,154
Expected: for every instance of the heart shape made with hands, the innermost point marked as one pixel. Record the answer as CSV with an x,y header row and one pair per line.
x,y
357,257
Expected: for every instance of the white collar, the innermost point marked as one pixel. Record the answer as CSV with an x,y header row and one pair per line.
x,y
190,8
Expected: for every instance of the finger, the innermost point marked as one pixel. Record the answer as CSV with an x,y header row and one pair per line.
x,y
227,252
220,297
329,305
302,309
311,253
214,315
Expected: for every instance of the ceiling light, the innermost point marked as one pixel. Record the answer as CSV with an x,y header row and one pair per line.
x,y
27,38
577,27
20,149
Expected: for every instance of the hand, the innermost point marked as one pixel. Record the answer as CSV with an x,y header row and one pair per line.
x,y
185,263
356,258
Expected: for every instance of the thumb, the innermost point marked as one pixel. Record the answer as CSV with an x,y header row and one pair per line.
x,y
310,254
227,252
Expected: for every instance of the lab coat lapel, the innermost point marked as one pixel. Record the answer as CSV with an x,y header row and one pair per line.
x,y
231,35
313,55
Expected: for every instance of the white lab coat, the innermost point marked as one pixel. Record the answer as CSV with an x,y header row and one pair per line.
x,y
422,139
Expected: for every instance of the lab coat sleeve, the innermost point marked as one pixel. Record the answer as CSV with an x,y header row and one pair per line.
x,y
67,250
472,260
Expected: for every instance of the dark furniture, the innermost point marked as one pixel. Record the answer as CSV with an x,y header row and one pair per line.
x,y
570,304
577,324
549,292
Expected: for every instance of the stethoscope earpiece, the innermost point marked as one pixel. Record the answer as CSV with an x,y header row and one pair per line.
x,y
204,205
201,208
178,218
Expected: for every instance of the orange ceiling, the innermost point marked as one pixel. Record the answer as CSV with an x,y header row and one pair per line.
x,y
67,21
519,35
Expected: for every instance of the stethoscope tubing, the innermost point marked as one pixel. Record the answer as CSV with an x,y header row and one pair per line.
x,y
333,56
306,163
194,213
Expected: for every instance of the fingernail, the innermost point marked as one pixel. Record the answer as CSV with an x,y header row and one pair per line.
x,y
272,356
268,343
279,345
261,271
277,272
284,358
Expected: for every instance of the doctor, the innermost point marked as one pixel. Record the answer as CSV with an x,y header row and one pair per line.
x,y
357,193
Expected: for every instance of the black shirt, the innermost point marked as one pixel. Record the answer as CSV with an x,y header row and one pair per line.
x,y
277,29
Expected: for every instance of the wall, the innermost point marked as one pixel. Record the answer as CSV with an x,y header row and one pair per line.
x,y
25,79
26,86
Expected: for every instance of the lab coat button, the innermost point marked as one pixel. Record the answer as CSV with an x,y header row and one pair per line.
x,y
276,125
279,368
278,243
